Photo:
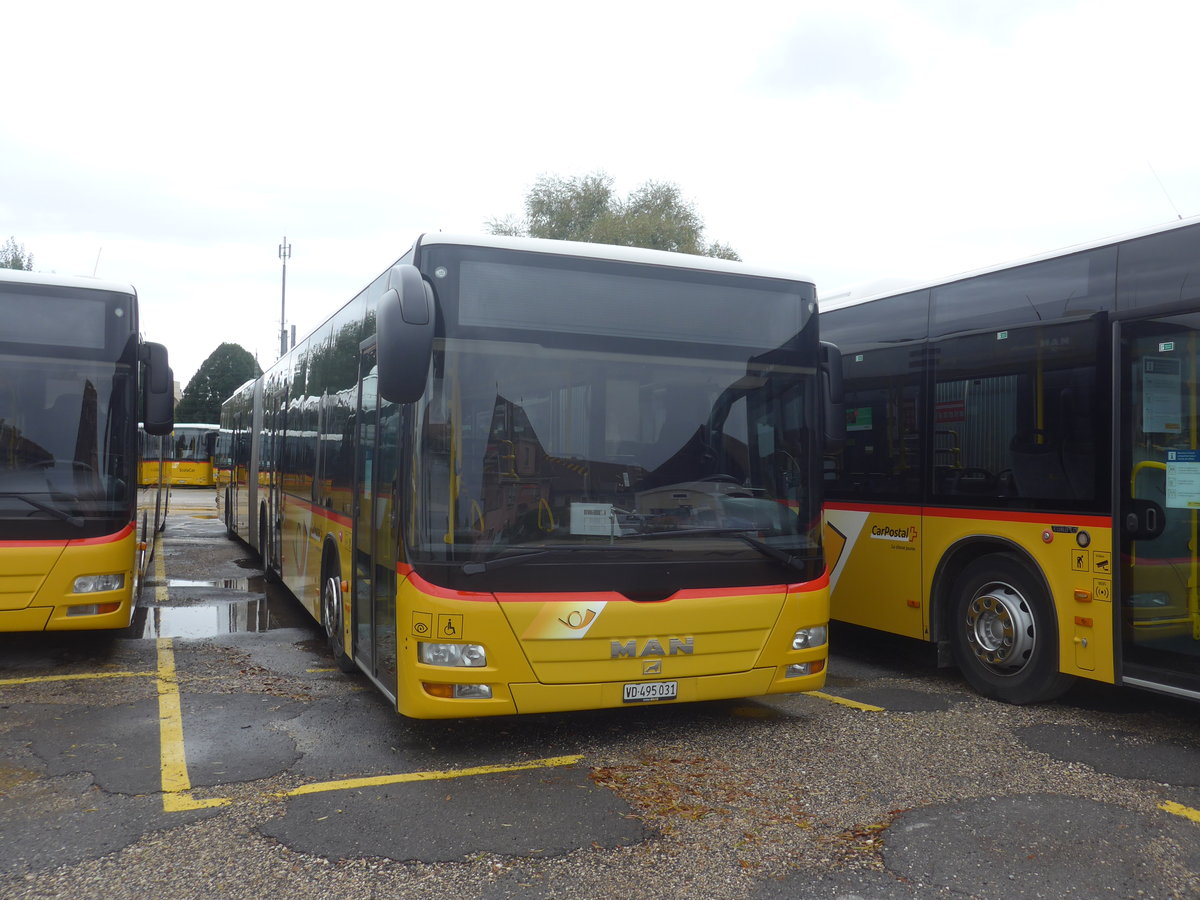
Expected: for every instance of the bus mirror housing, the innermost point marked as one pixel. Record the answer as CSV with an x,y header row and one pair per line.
x,y
833,398
158,394
405,323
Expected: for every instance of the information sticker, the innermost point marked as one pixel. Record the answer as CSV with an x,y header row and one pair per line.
x,y
1183,479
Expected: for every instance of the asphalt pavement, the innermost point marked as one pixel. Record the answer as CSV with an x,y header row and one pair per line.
x,y
215,751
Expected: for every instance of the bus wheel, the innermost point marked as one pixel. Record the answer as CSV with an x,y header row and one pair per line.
x,y
331,613
1004,634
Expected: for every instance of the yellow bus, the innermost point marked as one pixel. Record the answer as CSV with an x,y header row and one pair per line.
x,y
184,458
1020,479
69,408
516,476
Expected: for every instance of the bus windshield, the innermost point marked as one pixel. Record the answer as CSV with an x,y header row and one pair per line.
x,y
63,446
632,439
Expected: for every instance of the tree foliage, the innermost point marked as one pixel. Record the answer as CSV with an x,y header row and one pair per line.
x,y
226,369
585,208
13,256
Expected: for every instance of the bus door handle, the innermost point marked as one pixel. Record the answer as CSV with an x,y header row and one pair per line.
x,y
1144,520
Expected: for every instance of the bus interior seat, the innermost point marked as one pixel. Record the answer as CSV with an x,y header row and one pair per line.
x,y
1037,465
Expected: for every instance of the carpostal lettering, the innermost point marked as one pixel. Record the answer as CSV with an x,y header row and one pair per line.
x,y
887,533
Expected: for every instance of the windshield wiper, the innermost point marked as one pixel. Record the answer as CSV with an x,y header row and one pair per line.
x,y
522,556
77,521
780,556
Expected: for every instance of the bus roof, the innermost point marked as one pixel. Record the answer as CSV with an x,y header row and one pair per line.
x,y
609,252
20,276
877,290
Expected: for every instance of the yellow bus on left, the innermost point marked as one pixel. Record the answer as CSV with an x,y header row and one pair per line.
x,y
75,378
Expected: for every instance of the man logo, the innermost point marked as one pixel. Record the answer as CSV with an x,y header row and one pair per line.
x,y
579,620
652,667
652,647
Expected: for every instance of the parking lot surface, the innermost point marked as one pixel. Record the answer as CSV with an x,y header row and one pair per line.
x,y
215,751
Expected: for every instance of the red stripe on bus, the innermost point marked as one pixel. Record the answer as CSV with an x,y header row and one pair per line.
x,y
979,515
404,570
78,542
343,520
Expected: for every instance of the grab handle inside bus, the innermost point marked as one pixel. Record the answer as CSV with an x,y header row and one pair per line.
x,y
833,398
405,322
158,395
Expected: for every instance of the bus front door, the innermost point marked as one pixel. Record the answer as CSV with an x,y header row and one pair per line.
x,y
1158,514
376,452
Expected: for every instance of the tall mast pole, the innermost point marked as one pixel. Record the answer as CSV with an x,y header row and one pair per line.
x,y
285,252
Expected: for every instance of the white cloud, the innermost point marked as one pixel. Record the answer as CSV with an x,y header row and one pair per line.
x,y
174,147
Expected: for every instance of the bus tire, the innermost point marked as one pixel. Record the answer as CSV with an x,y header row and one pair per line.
x,y
1004,634
331,615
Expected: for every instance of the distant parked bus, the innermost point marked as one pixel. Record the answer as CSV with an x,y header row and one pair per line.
x,y
517,476
70,400
183,458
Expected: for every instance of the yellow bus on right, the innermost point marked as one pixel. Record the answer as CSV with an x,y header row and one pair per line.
x,y
1020,482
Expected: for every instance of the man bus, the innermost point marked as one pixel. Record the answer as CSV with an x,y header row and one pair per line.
x,y
70,366
517,476
1019,478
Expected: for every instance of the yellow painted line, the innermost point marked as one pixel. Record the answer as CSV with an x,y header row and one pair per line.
x,y
1180,810
176,785
81,677
376,781
842,701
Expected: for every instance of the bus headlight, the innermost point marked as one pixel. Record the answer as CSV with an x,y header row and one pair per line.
x,y
90,584
472,655
807,638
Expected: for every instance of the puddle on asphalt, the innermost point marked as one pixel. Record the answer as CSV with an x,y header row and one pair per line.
x,y
229,584
200,609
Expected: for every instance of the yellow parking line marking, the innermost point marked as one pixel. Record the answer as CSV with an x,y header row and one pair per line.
x,y
853,704
376,781
1180,810
176,785
81,677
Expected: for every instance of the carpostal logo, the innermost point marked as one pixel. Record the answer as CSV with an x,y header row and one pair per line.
x,y
905,535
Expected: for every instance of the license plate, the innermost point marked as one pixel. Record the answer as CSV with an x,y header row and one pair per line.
x,y
642,691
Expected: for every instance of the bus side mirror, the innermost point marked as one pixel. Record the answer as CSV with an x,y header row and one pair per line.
x,y
158,395
405,323
832,398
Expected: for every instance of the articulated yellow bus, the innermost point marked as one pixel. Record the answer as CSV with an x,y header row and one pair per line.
x,y
1020,481
517,476
184,458
69,408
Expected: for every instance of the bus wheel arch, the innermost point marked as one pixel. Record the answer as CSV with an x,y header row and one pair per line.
x,y
332,608
994,609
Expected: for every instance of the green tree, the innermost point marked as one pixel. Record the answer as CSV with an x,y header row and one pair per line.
x,y
13,256
226,369
584,208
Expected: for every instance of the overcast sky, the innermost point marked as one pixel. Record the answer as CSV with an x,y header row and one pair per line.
x,y
174,145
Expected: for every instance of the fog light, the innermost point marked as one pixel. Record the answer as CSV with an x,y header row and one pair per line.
x,y
806,638
93,609
90,584
809,668
471,655
458,691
